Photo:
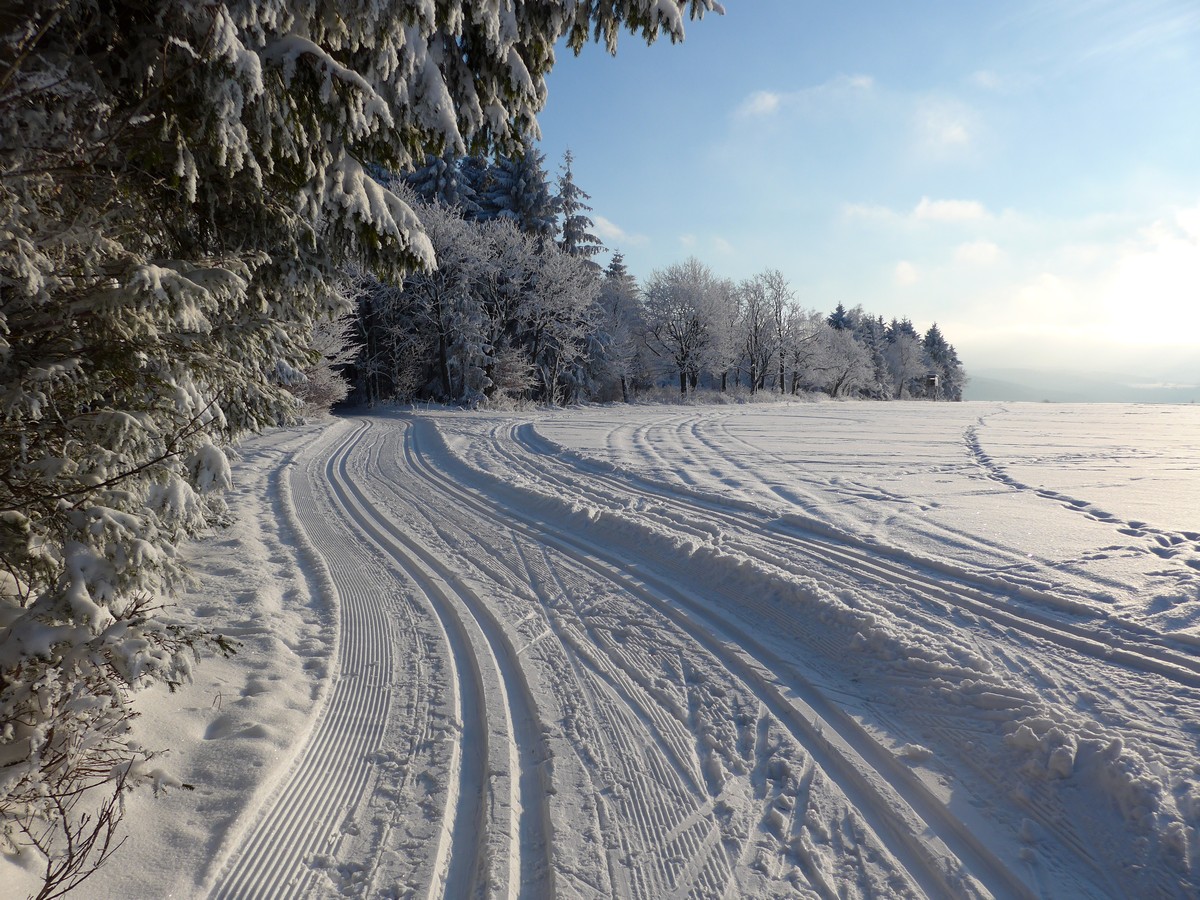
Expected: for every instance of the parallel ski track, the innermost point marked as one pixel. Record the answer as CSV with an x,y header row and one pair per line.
x,y
498,830
1122,643
333,768
892,799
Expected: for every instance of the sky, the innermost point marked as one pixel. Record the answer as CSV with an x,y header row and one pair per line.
x,y
1026,174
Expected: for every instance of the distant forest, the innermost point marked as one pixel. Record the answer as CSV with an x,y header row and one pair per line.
x,y
518,309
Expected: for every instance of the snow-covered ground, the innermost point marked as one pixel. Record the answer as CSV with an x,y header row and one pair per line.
x,y
803,649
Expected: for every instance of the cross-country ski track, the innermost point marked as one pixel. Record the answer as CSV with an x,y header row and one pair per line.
x,y
555,674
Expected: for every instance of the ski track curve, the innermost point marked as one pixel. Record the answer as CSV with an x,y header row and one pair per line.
x,y
502,805
490,653
274,860
491,837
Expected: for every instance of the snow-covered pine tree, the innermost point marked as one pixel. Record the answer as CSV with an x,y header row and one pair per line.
x,y
577,239
181,182
519,191
941,359
871,332
620,320
840,319
441,180
476,175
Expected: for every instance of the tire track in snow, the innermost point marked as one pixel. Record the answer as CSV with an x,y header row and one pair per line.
x,y
1122,642
918,830
501,806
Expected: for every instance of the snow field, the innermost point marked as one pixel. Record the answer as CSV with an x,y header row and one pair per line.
x,y
715,651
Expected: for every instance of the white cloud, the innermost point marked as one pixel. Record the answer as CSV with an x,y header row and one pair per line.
x,y
687,240
1149,293
761,104
721,245
998,83
977,253
949,211
905,274
612,233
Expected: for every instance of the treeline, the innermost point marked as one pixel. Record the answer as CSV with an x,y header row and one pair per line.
x,y
518,308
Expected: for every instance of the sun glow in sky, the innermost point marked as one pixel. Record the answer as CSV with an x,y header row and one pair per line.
x,y
1027,174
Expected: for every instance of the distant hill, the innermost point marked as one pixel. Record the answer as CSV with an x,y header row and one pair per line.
x,y
1073,387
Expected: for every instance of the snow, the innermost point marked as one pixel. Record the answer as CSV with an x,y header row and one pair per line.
x,y
772,649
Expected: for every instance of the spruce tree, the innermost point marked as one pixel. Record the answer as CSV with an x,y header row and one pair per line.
x,y
520,192
577,239
442,180
839,319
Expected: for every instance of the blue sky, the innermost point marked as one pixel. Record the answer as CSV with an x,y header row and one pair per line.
x,y
1027,174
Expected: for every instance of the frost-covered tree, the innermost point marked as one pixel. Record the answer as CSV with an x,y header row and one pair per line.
x,y
577,239
905,359
724,350
758,332
621,321
335,345
181,185
557,324
780,298
843,365
519,191
681,316
439,314
801,347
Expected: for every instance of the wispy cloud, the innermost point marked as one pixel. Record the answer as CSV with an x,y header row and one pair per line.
x,y
612,233
764,104
760,103
944,128
721,245
687,240
926,210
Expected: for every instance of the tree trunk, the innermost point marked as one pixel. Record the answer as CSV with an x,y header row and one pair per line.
x,y
444,365
682,383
